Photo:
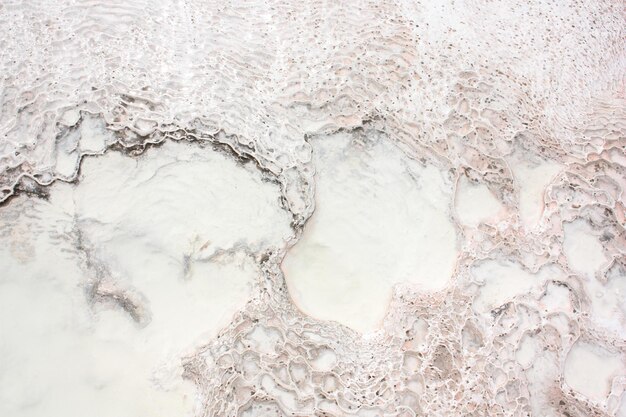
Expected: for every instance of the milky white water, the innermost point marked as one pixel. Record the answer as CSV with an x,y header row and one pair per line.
x,y
380,219
163,248
258,208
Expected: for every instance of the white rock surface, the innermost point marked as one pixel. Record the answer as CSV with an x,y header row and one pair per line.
x,y
261,208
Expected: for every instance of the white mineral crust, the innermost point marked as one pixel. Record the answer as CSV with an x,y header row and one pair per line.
x,y
312,209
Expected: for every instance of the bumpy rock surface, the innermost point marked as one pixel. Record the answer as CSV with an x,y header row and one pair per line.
x,y
520,106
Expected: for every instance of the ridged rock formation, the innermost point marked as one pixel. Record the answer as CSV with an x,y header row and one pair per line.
x,y
257,208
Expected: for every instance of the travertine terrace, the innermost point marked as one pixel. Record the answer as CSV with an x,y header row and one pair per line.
x,y
291,208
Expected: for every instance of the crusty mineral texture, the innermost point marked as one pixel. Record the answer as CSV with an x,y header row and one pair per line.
x,y
312,208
